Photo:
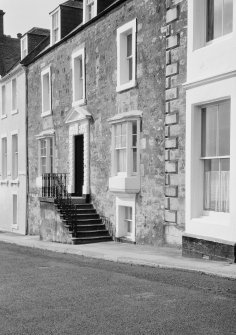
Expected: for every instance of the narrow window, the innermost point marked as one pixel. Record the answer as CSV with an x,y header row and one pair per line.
x,y
46,155
90,6
130,56
24,47
46,92
134,146
55,27
128,220
219,18
4,158
126,56
78,77
120,147
14,156
216,156
14,95
14,210
43,156
3,100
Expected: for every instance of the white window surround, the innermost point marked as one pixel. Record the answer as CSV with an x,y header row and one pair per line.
x,y
15,218
3,102
199,22
49,154
218,225
86,4
78,84
46,92
123,201
4,159
127,181
57,11
24,46
124,83
14,174
14,109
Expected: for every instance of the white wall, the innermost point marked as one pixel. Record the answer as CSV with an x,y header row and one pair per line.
x,y
14,123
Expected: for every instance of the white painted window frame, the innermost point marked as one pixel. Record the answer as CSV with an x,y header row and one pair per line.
x,y
24,38
3,102
85,10
122,201
57,10
14,178
15,226
4,177
199,26
124,30
77,54
13,110
48,163
129,165
43,73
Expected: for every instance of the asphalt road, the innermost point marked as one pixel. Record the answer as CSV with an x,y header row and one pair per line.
x,y
48,293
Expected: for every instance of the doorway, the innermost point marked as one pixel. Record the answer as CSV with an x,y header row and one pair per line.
x,y
79,164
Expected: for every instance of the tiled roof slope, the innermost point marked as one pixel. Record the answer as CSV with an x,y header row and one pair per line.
x,y
9,53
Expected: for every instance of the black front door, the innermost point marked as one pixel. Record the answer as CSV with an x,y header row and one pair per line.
x,y
79,164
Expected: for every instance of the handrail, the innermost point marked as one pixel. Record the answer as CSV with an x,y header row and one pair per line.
x,y
54,185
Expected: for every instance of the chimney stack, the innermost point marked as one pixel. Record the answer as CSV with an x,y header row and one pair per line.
x,y
19,35
1,23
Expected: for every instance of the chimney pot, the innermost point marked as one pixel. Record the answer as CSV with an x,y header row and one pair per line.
x,y
1,23
19,35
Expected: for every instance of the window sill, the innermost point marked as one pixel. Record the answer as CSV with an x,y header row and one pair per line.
x,y
81,102
47,113
15,182
215,41
4,116
221,219
4,181
124,184
126,86
15,111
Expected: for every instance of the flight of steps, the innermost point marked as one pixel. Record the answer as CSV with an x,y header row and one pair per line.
x,y
89,225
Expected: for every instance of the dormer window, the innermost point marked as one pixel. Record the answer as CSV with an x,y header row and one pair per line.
x,y
55,27
24,47
90,9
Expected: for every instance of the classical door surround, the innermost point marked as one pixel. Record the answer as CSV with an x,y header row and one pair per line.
x,y
79,120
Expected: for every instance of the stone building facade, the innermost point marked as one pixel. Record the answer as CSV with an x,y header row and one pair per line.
x,y
147,194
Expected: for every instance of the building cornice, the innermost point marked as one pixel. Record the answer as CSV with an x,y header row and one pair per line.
x,y
209,80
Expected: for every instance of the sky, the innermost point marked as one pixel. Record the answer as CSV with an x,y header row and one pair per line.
x,y
22,15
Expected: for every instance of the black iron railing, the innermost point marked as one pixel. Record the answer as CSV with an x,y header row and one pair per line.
x,y
54,185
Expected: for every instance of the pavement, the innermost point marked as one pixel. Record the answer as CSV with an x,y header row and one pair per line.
x,y
162,257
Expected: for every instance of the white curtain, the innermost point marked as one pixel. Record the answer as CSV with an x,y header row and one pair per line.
x,y
216,191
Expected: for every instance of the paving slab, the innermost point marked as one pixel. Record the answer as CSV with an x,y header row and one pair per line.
x,y
164,257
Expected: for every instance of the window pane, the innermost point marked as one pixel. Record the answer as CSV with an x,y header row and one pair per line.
x,y
129,45
218,7
13,94
134,160
228,17
210,20
216,185
209,131
224,128
121,160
